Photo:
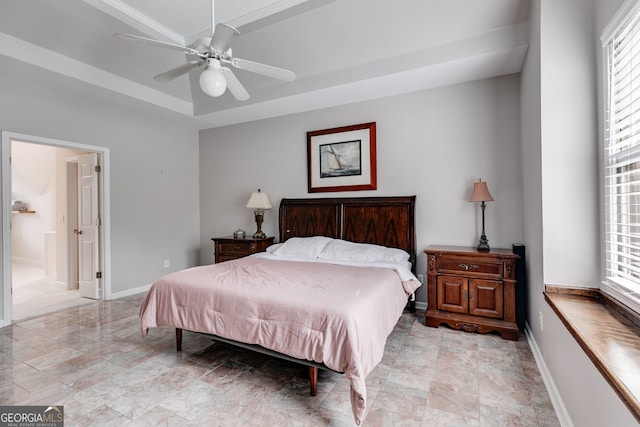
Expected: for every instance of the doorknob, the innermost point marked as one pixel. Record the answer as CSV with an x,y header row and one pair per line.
x,y
77,231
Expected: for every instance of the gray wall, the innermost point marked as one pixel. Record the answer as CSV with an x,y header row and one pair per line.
x,y
433,144
154,175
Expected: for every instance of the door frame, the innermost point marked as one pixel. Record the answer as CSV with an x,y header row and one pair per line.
x,y
104,197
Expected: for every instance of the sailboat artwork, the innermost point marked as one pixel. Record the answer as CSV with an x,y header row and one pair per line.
x,y
340,159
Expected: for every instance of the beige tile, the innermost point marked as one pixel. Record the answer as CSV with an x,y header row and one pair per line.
x,y
93,360
437,418
157,416
401,400
454,399
381,417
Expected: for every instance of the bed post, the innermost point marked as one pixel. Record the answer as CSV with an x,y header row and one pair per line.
x,y
313,379
178,339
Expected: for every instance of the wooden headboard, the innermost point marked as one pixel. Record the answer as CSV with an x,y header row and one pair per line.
x,y
387,221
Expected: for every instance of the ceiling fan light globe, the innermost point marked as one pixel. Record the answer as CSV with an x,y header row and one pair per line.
x,y
212,82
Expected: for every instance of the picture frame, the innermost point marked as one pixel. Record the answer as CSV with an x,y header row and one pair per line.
x,y
342,159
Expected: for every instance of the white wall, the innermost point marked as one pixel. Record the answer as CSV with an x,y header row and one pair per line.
x,y
569,144
433,144
33,182
154,175
560,180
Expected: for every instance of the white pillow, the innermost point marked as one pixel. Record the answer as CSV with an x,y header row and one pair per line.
x,y
273,247
361,252
306,247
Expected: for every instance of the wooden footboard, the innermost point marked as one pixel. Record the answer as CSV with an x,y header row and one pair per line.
x,y
313,367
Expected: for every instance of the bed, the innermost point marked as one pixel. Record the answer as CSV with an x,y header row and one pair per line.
x,y
281,302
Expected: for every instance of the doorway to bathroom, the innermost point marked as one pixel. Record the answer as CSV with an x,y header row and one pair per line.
x,y
56,249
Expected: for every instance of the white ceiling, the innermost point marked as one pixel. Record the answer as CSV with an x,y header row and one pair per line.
x,y
342,51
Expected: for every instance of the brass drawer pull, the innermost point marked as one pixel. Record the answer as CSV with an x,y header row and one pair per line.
x,y
468,267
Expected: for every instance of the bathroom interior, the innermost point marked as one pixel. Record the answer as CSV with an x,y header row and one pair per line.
x,y
44,276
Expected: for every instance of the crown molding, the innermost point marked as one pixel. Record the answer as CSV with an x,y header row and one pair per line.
x,y
133,17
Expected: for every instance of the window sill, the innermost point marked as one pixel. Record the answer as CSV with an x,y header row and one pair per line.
x,y
608,332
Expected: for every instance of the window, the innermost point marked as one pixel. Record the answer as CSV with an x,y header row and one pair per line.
x,y
622,158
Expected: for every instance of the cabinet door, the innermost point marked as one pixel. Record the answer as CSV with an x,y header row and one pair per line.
x,y
486,298
452,294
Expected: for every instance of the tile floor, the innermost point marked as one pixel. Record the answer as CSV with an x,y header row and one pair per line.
x,y
35,294
92,360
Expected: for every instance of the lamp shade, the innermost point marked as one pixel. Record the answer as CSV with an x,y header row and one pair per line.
x,y
480,192
259,200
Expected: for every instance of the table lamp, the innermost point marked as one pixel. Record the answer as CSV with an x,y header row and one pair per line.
x,y
481,194
259,202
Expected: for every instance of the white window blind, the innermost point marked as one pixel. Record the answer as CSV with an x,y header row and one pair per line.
x,y
622,162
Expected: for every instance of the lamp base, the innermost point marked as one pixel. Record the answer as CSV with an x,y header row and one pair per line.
x,y
483,245
259,217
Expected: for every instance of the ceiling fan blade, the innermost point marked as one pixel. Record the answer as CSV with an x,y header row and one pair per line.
x,y
178,71
158,43
223,37
265,70
233,84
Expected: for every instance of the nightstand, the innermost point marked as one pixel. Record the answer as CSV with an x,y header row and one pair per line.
x,y
228,248
470,290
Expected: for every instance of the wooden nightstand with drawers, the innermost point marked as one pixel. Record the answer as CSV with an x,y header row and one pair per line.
x,y
470,290
228,248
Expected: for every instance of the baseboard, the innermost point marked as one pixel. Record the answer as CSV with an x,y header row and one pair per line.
x,y
61,285
129,292
421,305
558,405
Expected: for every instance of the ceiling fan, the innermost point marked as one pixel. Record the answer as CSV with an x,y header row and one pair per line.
x,y
214,53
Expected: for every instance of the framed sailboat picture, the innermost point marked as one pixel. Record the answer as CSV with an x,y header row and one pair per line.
x,y
342,159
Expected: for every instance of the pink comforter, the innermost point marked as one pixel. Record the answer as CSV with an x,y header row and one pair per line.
x,y
339,315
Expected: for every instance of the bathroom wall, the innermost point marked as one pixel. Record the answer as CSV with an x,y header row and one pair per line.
x,y
33,182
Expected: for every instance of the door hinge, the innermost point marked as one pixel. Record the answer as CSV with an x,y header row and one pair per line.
x,y
99,275
97,169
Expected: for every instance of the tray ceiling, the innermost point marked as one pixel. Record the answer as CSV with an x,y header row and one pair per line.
x,y
342,51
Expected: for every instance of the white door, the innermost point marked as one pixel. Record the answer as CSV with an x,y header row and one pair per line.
x,y
88,226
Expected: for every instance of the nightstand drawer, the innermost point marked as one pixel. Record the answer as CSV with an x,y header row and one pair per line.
x,y
235,248
470,267
228,248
